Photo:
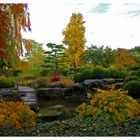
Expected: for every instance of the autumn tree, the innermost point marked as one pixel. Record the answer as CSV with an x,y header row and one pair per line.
x,y
22,66
124,58
74,38
13,18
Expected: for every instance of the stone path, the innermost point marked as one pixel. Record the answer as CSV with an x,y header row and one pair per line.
x,y
28,96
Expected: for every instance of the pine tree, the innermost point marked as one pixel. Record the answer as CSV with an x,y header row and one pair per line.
x,y
55,57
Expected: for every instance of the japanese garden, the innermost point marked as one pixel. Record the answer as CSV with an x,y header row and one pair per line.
x,y
66,89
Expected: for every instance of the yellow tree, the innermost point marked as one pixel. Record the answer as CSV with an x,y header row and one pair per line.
x,y
74,37
124,58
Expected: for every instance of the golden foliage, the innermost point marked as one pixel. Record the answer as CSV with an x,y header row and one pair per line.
x,y
74,37
22,65
67,82
113,103
41,82
16,115
124,58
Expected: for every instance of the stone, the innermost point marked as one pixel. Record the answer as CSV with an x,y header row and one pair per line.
x,y
90,84
50,92
33,105
73,90
77,88
56,85
119,80
28,99
57,112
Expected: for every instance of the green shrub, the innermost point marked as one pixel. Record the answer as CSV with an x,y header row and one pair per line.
x,y
77,77
100,73
117,73
6,82
29,73
130,78
132,73
133,88
81,76
109,105
138,73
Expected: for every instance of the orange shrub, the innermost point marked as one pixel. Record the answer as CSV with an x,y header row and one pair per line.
x,y
16,115
67,82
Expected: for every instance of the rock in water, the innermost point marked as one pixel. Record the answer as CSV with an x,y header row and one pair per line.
x,y
57,112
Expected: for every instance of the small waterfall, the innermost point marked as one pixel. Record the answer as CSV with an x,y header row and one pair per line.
x,y
29,97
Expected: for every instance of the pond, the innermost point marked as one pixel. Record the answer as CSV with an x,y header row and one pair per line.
x,y
69,103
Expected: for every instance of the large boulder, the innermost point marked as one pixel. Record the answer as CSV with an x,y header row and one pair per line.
x,y
57,112
73,90
47,93
91,84
76,89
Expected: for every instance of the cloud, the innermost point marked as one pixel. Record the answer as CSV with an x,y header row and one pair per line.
x,y
134,13
101,8
133,10
131,35
106,23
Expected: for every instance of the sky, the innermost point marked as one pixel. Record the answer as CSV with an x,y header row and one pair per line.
x,y
116,25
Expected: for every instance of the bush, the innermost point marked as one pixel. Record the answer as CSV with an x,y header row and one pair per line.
x,y
81,76
117,73
6,82
133,88
138,73
16,115
66,82
132,73
100,73
41,82
130,78
78,77
109,105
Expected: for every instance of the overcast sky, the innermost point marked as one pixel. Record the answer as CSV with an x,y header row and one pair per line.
x,y
114,24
